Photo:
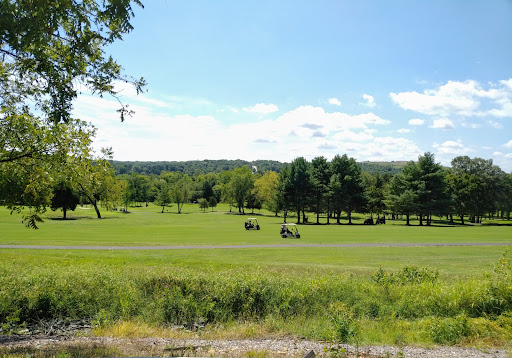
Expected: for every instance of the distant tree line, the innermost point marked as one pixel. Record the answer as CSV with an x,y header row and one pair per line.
x,y
192,167
470,188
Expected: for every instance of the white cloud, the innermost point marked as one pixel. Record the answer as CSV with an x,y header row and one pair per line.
x,y
459,98
335,101
470,125
450,149
443,123
370,101
416,122
262,108
403,130
496,125
508,144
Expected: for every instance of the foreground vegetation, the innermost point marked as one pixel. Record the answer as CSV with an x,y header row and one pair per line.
x,y
363,295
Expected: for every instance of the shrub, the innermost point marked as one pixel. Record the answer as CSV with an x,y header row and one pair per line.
x,y
449,330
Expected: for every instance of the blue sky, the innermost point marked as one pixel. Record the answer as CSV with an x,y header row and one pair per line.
x,y
376,80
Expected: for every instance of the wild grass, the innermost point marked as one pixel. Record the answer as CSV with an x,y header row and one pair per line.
x,y
443,313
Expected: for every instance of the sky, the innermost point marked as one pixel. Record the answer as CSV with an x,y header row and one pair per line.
x,y
281,79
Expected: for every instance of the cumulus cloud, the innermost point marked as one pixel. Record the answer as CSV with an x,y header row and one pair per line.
x,y
416,122
175,133
443,123
508,144
451,148
262,108
370,101
459,98
403,130
334,101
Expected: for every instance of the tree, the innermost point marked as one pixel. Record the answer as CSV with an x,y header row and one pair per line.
x,y
432,198
64,198
241,183
212,202
94,178
353,189
203,204
181,191
345,186
264,188
488,178
320,178
47,48
32,155
299,186
402,196
374,191
164,196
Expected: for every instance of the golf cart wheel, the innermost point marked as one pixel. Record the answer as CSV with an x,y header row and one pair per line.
x,y
257,227
297,236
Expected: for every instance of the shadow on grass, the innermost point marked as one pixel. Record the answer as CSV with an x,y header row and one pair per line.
x,y
73,218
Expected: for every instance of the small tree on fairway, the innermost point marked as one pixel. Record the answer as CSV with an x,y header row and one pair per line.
x,y
64,197
212,202
203,204
164,196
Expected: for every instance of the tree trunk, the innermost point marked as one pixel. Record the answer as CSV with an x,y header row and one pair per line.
x,y
95,204
64,212
350,217
407,218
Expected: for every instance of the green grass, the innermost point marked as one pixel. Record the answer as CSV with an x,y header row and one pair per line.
x,y
147,226
281,290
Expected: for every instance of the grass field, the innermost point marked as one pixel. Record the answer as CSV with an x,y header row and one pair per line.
x,y
313,292
147,226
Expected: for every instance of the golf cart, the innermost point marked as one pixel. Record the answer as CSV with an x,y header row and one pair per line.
x,y
252,223
289,230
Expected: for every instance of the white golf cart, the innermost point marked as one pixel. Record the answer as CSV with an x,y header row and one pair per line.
x,y
252,223
289,230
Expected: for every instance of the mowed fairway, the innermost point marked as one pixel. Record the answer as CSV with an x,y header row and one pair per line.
x,y
147,226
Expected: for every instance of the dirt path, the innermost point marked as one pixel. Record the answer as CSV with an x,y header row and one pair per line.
x,y
191,247
273,347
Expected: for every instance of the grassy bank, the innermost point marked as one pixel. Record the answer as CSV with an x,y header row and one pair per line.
x,y
412,305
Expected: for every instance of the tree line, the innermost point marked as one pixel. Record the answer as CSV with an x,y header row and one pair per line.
x,y
472,188
192,167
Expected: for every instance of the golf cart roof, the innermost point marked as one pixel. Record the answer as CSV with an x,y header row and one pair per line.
x,y
290,224
251,219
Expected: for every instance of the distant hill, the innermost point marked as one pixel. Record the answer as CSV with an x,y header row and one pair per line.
x,y
194,166
216,166
382,167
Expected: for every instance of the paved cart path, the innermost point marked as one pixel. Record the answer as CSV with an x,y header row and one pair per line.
x,y
190,247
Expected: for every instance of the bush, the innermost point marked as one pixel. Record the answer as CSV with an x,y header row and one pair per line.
x,y
449,330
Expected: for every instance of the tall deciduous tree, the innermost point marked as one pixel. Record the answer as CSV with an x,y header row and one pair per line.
x,y
181,191
241,184
49,50
264,189
94,178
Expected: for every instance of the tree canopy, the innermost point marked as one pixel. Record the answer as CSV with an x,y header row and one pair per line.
x,y
50,51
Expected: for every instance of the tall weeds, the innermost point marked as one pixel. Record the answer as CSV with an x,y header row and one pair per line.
x,y
191,298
